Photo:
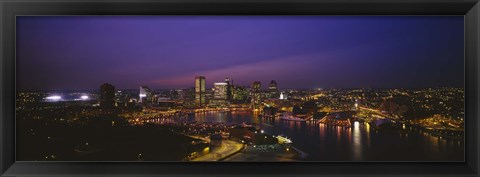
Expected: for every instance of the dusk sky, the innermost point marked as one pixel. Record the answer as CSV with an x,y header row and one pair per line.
x,y
82,52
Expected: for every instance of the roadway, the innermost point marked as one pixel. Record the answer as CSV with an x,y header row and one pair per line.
x,y
373,110
227,148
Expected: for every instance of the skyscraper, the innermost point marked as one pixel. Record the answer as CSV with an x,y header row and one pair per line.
x,y
257,86
146,94
256,94
229,89
107,95
200,91
273,89
220,91
240,94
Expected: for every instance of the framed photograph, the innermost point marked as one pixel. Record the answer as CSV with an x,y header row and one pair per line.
x,y
251,88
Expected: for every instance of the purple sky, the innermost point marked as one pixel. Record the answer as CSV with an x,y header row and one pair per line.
x,y
82,52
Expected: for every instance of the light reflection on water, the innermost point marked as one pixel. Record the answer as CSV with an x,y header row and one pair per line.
x,y
357,138
322,131
367,132
361,142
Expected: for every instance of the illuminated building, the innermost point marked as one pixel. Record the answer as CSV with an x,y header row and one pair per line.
x,y
257,86
220,91
256,94
219,95
107,95
120,98
200,91
273,89
240,94
146,94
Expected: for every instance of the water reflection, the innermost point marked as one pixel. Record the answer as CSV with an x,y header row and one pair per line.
x,y
367,132
339,133
322,131
361,142
357,145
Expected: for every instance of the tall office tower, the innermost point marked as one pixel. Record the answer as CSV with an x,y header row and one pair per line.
x,y
220,91
257,86
200,91
146,94
256,95
229,89
273,89
240,94
107,95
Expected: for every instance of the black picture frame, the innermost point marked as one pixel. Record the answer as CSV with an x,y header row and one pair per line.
x,y
12,8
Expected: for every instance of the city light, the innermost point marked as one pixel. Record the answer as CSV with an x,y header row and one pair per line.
x,y
54,98
377,113
206,150
188,94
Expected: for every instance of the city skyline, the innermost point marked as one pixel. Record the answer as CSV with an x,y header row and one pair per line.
x,y
298,52
240,88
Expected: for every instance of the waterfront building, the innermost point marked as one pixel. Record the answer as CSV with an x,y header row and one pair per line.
x,y
107,95
220,94
220,91
200,91
165,104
